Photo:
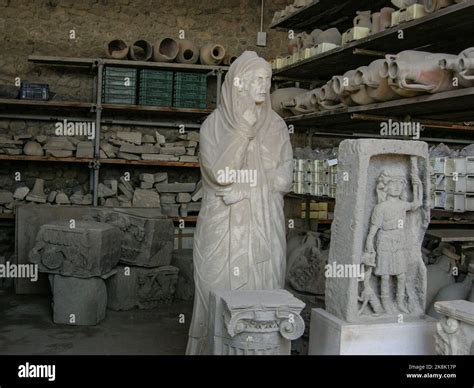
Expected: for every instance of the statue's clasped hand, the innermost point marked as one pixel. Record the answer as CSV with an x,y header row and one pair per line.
x,y
230,195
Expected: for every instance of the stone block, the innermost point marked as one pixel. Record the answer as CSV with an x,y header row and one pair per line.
x,y
33,148
131,137
127,156
160,139
149,178
148,139
78,301
105,191
189,159
147,240
183,260
59,153
160,177
330,335
161,158
21,193
144,288
176,151
168,198
85,149
145,198
89,249
183,198
59,143
142,149
175,187
62,199
170,210
146,185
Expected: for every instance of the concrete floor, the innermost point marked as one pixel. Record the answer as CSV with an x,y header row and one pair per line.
x,y
26,327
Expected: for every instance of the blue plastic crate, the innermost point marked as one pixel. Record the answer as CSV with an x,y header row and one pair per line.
x,y
29,91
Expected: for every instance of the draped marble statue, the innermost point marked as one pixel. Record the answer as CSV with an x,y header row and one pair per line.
x,y
246,166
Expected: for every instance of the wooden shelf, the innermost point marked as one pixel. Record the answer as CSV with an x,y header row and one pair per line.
x,y
324,14
105,161
10,103
455,106
89,62
160,110
27,158
149,163
7,216
438,32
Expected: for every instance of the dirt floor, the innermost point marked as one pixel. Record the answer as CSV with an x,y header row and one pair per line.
x,y
26,327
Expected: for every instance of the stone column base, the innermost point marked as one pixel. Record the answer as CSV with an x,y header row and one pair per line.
x,y
330,335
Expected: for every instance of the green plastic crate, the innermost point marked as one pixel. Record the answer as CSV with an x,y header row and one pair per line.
x,y
119,85
164,76
190,90
157,101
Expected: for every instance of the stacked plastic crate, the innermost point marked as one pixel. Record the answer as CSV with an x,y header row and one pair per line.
x,y
119,85
190,90
315,177
156,87
452,184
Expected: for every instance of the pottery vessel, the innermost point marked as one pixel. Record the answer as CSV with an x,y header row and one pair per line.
x,y
385,18
116,49
435,5
165,50
140,50
188,53
363,19
332,35
420,71
285,95
375,27
211,54
462,67
376,84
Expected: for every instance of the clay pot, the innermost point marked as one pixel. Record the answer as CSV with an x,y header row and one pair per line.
x,y
211,54
285,95
315,34
305,103
462,67
403,3
375,27
304,40
229,59
165,50
293,46
188,53
332,35
116,49
140,50
376,84
435,5
385,18
360,95
363,19
328,98
420,71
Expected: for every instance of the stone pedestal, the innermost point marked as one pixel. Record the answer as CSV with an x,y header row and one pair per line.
x,y
330,335
78,301
253,322
455,330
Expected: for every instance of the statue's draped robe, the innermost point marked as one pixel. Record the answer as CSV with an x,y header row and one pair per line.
x,y
243,245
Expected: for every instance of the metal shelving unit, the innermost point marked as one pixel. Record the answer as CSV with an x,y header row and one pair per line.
x,y
326,14
449,30
420,34
105,113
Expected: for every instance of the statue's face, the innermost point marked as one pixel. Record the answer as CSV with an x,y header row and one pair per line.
x,y
259,85
395,187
